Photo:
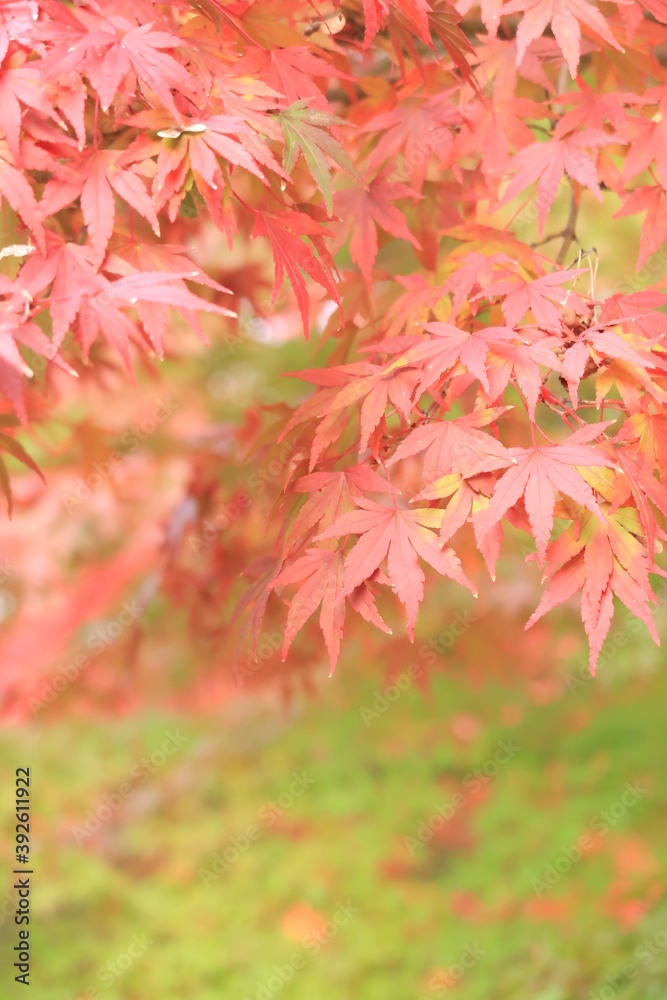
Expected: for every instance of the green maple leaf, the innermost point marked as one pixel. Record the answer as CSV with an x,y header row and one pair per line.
x,y
305,131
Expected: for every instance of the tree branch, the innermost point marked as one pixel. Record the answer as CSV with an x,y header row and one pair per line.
x,y
568,233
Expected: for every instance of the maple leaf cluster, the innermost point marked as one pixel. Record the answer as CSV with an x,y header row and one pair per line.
x,y
473,380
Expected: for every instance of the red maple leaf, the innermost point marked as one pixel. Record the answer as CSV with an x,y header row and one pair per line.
x,y
291,255
565,18
647,142
653,201
415,13
591,109
456,446
332,494
118,48
417,129
133,257
450,346
70,271
522,363
541,295
143,287
401,537
375,12
290,71
474,271
95,178
546,162
364,209
542,471
20,84
649,430
13,369
378,387
463,495
320,573
14,186
637,313
613,561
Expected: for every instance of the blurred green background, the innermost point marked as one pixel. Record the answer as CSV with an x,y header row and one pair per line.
x,y
370,780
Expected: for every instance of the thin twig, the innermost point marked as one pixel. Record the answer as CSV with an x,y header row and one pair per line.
x,y
568,235
568,232
548,239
